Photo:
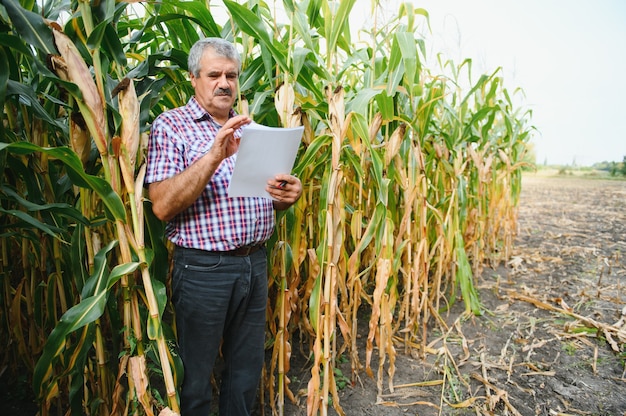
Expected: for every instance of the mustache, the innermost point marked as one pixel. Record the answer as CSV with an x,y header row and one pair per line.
x,y
223,91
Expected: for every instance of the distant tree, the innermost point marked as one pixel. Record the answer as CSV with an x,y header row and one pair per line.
x,y
623,169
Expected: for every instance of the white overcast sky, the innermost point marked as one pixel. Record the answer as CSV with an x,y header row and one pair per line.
x,y
569,57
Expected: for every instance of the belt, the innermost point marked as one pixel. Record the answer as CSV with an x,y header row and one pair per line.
x,y
242,251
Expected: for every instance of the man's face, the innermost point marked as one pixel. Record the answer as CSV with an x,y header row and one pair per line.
x,y
216,85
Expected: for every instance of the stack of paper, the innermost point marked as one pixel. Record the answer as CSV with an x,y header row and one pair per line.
x,y
263,153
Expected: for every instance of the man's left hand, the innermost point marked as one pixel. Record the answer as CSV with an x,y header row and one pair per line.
x,y
285,190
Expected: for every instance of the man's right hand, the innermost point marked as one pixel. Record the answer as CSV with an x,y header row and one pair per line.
x,y
225,144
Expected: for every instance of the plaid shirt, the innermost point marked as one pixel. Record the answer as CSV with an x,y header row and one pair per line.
x,y
214,222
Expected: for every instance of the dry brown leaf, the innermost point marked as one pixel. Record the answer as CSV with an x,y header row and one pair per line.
x,y
140,379
465,403
515,262
589,322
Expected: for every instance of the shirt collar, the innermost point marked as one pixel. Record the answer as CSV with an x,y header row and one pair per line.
x,y
198,113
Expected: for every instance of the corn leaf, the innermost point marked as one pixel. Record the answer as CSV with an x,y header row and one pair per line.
x,y
87,311
76,173
203,16
113,47
406,43
55,208
4,76
337,24
29,98
30,26
252,25
28,219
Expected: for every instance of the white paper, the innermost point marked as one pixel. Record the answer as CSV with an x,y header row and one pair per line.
x,y
263,153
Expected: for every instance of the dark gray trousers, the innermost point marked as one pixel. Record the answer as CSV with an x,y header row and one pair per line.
x,y
220,297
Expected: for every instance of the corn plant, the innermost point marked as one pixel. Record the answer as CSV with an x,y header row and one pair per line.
x,y
410,180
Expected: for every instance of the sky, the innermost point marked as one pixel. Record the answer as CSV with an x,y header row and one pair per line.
x,y
568,56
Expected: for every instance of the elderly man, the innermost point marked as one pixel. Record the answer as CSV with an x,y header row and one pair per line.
x,y
219,277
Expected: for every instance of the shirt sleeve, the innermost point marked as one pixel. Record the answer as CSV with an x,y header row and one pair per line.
x,y
165,156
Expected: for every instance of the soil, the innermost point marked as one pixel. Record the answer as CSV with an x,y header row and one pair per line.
x,y
552,340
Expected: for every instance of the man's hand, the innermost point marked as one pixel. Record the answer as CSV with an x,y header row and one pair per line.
x,y
285,190
225,143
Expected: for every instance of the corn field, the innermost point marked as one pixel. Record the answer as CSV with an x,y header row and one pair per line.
x,y
411,173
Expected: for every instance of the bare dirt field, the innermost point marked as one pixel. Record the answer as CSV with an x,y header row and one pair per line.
x,y
553,338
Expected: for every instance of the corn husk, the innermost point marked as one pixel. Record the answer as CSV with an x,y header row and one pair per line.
x,y
91,103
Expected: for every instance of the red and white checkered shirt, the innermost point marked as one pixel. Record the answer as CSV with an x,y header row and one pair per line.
x,y
214,222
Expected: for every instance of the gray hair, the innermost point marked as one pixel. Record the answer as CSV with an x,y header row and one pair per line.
x,y
220,46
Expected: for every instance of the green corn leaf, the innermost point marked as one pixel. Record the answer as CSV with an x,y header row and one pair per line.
x,y
78,254
100,282
384,190
299,58
252,25
311,155
98,279
378,167
360,103
354,164
76,365
30,26
55,208
203,16
385,105
481,81
157,257
29,98
307,78
113,47
153,329
337,25
407,44
315,301
474,121
359,124
160,292
4,76
77,174
396,67
88,310
51,231
373,227
252,75
302,27
97,34
465,278
16,44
